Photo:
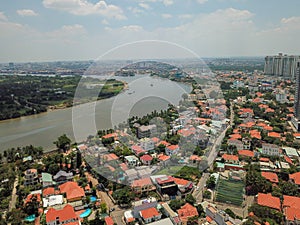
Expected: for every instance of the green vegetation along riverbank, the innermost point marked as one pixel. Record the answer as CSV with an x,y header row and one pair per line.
x,y
28,95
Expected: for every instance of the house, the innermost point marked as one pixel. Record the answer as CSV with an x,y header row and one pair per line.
x,y
171,214
272,177
172,150
295,178
215,216
137,149
234,159
150,215
131,160
269,201
31,177
65,216
62,177
165,185
239,144
48,191
143,204
183,185
53,200
270,149
146,131
291,209
187,211
142,185
72,190
147,144
131,175
47,180
34,196
246,153
109,221
146,159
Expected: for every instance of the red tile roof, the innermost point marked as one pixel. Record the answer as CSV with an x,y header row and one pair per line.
x,y
268,200
172,147
295,177
181,182
255,134
292,214
291,201
165,143
109,220
187,211
274,134
65,214
262,159
247,153
142,182
112,135
236,136
270,176
146,158
31,196
163,180
72,190
48,191
110,157
228,157
195,157
288,159
163,157
149,213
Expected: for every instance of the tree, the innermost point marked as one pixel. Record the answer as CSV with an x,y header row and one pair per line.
x,y
211,182
176,204
63,142
190,199
288,188
103,207
200,210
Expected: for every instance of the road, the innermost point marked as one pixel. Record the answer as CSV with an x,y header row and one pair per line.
x,y
118,213
12,203
211,158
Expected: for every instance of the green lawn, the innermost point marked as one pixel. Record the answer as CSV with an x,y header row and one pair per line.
x,y
169,171
230,192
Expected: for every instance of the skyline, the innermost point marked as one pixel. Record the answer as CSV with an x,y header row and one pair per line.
x,y
58,30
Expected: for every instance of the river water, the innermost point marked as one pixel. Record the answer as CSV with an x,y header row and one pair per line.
x,y
144,95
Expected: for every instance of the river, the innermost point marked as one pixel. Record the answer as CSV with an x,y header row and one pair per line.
x,y
144,95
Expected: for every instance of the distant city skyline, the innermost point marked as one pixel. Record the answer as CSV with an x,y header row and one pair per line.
x,y
54,30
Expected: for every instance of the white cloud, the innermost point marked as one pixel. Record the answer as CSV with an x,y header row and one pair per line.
x,y
26,12
166,16
144,5
165,2
168,2
2,16
105,22
83,7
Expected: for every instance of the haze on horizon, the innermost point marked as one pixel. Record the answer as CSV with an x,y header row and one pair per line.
x,y
54,30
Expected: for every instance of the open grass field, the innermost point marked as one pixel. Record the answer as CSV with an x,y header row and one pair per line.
x,y
230,192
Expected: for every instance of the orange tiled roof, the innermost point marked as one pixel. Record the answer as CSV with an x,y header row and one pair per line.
x,y
146,158
187,211
274,134
270,176
165,143
268,200
228,157
295,177
195,157
247,153
31,196
142,182
110,157
291,201
72,190
172,147
236,136
182,182
65,214
255,134
292,214
262,159
269,110
163,157
48,191
109,220
112,135
288,159
149,213
155,139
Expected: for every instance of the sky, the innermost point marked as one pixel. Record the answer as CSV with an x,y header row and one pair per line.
x,y
53,30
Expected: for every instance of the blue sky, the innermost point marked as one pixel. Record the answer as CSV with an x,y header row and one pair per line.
x,y
50,30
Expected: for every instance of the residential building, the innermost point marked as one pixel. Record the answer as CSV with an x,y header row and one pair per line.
x,y
109,221
219,216
187,211
146,159
172,150
270,176
281,65
150,215
131,160
234,159
270,149
291,209
147,144
183,185
142,185
146,131
53,200
72,190
239,144
295,178
165,185
31,177
47,180
269,201
171,214
296,118
64,216
165,221
62,177
143,204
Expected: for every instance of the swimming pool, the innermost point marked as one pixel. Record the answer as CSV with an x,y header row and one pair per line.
x,y
93,198
30,218
86,213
